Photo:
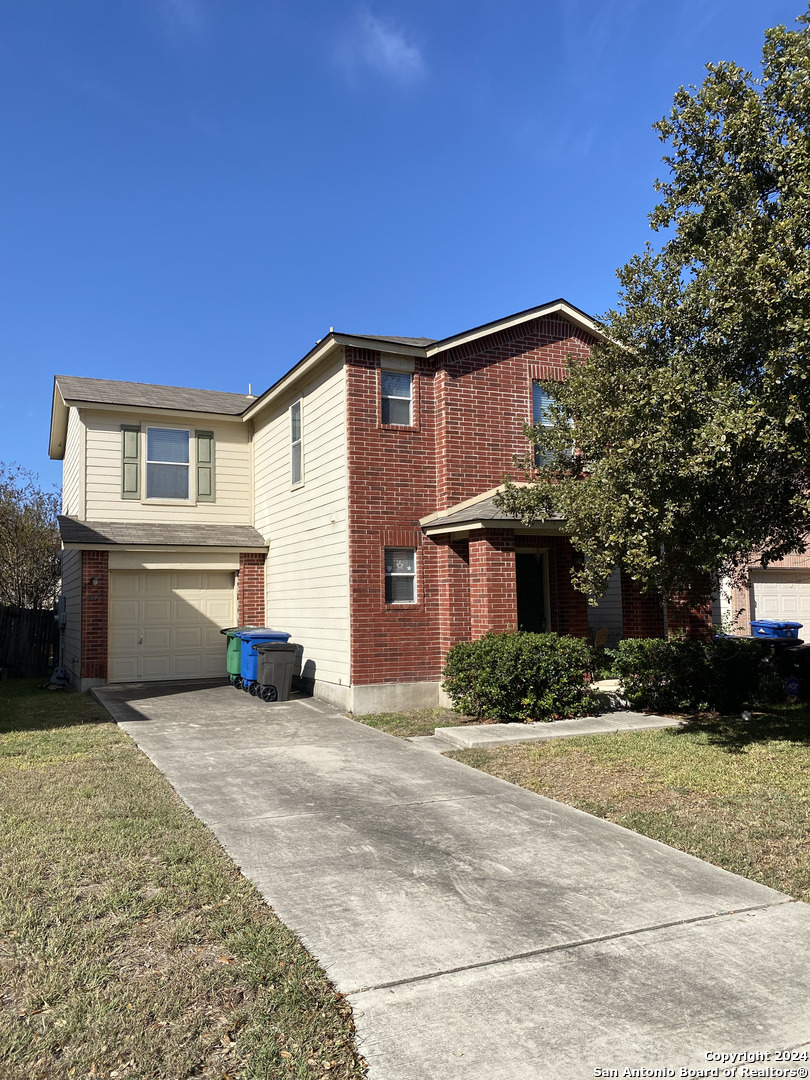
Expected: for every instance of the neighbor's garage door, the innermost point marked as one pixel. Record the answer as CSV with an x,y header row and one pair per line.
x,y
782,594
166,625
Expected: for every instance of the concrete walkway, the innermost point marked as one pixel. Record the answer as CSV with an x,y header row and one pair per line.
x,y
481,932
467,736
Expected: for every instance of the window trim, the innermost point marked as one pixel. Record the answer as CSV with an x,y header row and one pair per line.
x,y
413,576
190,498
299,443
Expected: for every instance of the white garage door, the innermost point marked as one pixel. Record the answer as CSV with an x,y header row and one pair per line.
x,y
166,625
782,594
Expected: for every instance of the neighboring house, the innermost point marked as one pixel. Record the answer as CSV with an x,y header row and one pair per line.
x,y
780,591
350,505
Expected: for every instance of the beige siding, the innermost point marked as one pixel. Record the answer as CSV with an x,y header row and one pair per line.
x,y
232,461
307,575
73,467
72,592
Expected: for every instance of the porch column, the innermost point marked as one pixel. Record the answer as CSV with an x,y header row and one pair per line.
x,y
453,589
493,596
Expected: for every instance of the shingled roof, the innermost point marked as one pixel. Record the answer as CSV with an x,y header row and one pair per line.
x,y
150,395
138,533
420,341
478,511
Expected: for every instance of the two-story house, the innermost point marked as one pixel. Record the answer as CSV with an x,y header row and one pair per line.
x,y
351,504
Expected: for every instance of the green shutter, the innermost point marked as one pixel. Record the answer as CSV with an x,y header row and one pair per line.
x,y
130,462
205,466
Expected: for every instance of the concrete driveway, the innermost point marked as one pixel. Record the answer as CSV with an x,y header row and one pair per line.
x,y
481,931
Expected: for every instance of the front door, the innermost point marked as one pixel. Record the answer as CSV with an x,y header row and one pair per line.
x,y
530,579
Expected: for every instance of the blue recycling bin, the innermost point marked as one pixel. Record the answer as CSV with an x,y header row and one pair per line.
x,y
250,658
775,628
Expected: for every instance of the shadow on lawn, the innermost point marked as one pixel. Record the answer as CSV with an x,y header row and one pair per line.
x,y
26,706
789,724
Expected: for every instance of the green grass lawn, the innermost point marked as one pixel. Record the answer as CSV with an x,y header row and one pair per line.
x,y
733,792
130,945
406,725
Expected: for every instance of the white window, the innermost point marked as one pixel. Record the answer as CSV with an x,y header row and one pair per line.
x,y
167,463
397,388
541,403
400,575
296,461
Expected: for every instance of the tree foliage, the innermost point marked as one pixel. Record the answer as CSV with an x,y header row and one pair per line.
x,y
692,418
29,541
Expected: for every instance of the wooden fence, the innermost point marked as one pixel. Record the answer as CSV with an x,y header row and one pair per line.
x,y
29,642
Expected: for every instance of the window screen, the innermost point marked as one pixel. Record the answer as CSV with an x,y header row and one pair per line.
x,y
396,397
167,463
400,575
540,403
296,471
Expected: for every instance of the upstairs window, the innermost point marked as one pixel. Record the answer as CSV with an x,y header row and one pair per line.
x,y
397,397
296,455
167,463
541,404
400,575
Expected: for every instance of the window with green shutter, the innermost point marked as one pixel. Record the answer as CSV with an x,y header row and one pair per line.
x,y
130,461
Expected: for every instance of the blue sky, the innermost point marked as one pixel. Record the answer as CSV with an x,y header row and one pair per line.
x,y
194,191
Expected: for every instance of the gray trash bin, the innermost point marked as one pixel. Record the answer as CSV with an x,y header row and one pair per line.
x,y
275,669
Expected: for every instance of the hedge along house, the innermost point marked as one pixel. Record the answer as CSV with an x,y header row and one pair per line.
x,y
351,505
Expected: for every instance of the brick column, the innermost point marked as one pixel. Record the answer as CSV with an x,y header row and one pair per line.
x,y
493,597
642,616
250,589
453,594
95,604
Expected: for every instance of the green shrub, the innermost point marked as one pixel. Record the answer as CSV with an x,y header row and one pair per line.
x,y
689,676
520,676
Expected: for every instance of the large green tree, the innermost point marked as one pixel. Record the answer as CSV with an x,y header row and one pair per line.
x,y
29,541
692,419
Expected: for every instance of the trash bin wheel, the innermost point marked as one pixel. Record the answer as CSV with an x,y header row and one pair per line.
x,y
254,689
246,686
237,681
268,693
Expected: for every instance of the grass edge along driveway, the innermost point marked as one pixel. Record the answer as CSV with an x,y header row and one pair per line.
x,y
130,944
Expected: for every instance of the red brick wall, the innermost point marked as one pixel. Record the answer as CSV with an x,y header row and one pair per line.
x,y
483,391
493,598
250,589
642,616
95,607
468,409
691,613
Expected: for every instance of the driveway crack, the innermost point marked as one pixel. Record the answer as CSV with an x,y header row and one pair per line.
x,y
567,945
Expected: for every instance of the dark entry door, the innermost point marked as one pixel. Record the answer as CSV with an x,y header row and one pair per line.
x,y
531,592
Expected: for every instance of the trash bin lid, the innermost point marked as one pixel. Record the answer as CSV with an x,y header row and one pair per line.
x,y
274,646
263,634
237,629
778,623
